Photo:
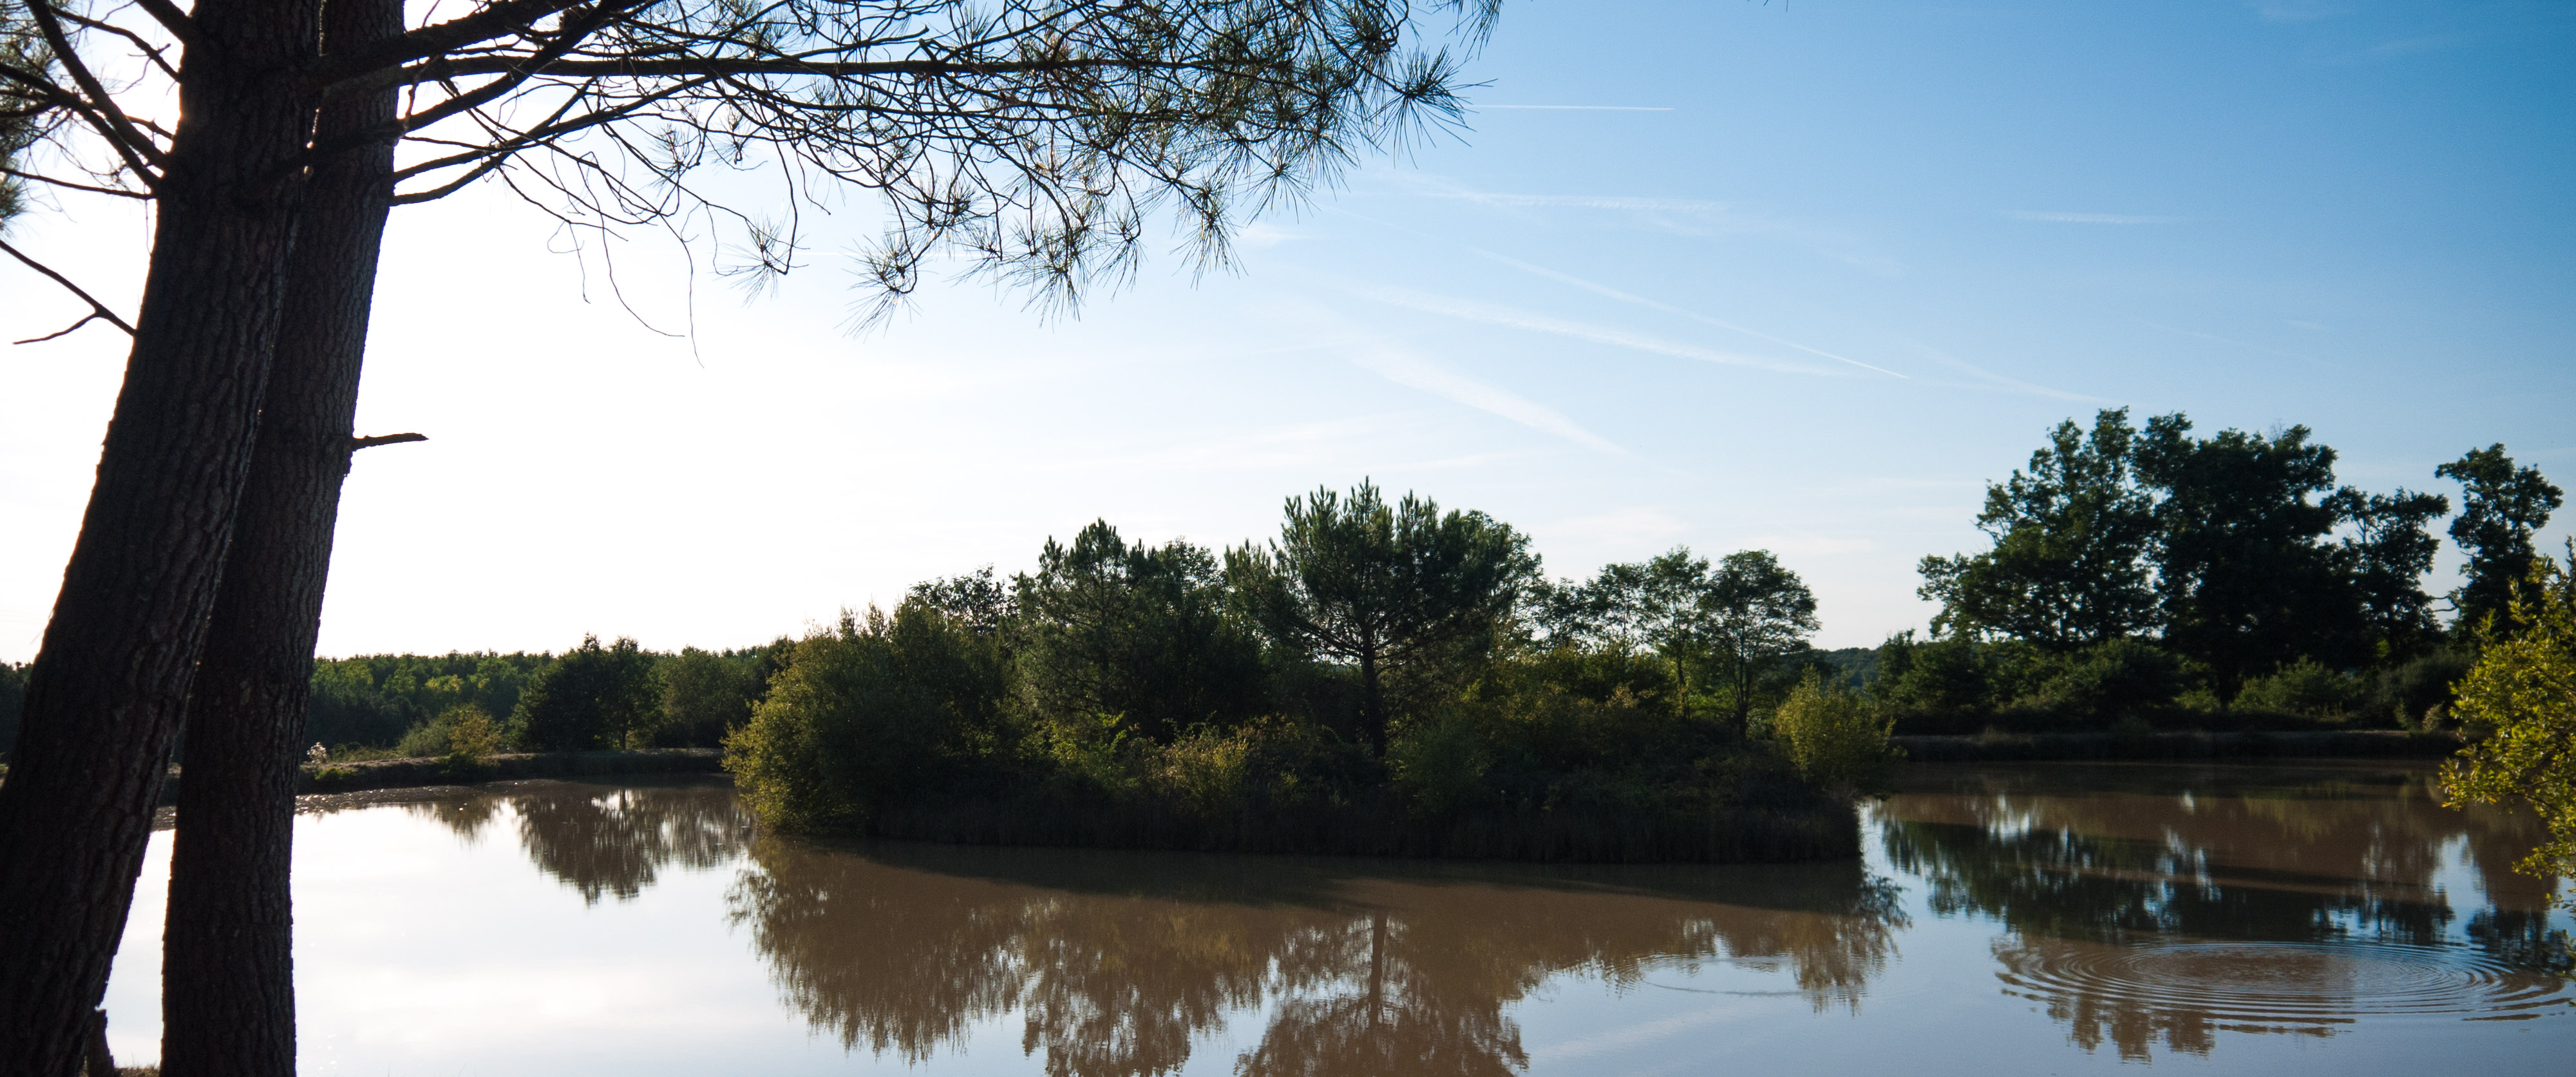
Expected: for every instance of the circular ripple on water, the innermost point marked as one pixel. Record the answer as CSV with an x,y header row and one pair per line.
x,y
2282,984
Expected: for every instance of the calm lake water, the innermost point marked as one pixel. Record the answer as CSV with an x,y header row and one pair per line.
x,y
2006,919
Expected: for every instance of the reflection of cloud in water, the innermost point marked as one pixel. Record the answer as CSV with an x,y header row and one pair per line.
x,y
2171,903
1116,962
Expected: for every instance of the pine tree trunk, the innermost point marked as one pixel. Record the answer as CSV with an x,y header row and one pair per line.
x,y
227,971
1372,703
111,680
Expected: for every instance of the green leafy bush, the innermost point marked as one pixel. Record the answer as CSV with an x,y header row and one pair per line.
x,y
890,710
1444,767
2417,693
2522,695
472,736
1958,684
1835,738
2303,688
2110,682
422,741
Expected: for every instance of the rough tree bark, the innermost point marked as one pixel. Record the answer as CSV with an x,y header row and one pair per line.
x,y
111,679
227,970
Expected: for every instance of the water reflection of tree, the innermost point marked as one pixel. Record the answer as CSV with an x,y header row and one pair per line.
x,y
2078,861
606,840
1117,961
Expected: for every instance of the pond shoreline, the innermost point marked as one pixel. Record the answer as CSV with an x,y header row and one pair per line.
x,y
1983,748
2067,747
418,773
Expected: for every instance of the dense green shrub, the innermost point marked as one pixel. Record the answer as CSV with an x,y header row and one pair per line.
x,y
427,739
593,697
2109,682
1959,686
2303,688
884,711
472,736
462,731
1835,738
1941,686
2417,693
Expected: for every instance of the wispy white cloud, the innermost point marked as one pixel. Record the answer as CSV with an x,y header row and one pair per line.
x,y
1989,379
1636,1035
1696,217
1628,528
1624,297
1261,234
1408,369
2233,342
2058,217
1514,318
1585,201
1274,447
1572,108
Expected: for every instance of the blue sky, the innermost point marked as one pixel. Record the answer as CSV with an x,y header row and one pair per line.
x,y
1794,276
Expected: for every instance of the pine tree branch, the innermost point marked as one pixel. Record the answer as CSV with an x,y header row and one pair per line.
x,y
97,310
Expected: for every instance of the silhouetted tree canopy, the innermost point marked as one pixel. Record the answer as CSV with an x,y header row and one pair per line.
x,y
2071,538
2244,573
2238,553
2500,507
592,697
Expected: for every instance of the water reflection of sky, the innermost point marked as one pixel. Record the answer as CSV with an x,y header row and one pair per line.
x,y
2028,919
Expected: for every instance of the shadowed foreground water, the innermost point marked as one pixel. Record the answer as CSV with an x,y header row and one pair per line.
x,y
2037,918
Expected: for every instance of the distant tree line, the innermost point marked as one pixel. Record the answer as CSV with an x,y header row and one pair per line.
x,y
613,695
2149,576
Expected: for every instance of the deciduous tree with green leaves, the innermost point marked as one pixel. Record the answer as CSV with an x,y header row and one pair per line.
x,y
1391,589
1752,613
2524,688
2072,535
593,697
1652,605
1736,619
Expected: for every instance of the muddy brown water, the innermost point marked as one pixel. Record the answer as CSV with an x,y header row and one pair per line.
x,y
2031,918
